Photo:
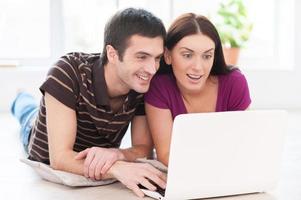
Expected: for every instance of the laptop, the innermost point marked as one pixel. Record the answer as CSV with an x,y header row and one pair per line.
x,y
224,154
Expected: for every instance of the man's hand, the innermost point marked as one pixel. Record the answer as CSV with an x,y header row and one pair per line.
x,y
98,160
131,174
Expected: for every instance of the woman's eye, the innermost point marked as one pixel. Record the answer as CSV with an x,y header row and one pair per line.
x,y
207,57
187,55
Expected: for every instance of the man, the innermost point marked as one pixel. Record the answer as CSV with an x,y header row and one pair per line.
x,y
88,101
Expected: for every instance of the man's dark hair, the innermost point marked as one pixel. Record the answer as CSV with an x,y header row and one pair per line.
x,y
127,23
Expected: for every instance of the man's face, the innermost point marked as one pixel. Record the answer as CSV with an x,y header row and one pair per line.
x,y
140,62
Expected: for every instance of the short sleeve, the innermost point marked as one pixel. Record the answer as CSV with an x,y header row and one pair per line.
x,y
62,82
140,109
240,95
156,95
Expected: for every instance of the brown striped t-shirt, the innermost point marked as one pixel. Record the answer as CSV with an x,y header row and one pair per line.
x,y
77,80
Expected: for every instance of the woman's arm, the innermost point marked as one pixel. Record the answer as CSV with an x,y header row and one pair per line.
x,y
160,123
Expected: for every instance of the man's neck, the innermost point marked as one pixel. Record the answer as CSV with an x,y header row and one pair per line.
x,y
115,86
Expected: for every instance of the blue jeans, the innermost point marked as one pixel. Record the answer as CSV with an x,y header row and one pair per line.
x,y
25,109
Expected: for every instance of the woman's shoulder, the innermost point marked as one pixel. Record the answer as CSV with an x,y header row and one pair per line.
x,y
161,85
233,76
164,80
233,91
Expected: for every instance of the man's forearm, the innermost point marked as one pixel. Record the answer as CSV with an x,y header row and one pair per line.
x,y
66,162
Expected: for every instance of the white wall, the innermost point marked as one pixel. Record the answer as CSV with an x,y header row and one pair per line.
x,y
279,89
269,89
14,79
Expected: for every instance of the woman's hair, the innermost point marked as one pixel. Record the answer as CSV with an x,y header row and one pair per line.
x,y
190,24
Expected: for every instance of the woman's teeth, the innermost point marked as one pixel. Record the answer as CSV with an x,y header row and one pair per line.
x,y
194,77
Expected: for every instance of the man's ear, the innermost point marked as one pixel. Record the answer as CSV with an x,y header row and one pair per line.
x,y
112,54
167,56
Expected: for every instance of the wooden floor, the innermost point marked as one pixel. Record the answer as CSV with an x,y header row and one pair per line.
x,y
18,181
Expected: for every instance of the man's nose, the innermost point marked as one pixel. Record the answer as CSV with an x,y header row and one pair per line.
x,y
151,67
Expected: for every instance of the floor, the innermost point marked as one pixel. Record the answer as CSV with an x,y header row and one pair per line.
x,y
18,181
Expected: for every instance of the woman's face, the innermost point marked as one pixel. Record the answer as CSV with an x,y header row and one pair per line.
x,y
191,59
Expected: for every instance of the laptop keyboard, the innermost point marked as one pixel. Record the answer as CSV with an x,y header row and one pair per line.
x,y
159,189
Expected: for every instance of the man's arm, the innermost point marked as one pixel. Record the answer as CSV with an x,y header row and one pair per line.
x,y
142,143
61,129
99,160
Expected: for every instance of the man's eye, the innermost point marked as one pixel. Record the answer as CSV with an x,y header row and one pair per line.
x,y
141,57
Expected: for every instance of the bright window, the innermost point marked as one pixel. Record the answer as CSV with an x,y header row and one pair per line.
x,y
36,32
24,31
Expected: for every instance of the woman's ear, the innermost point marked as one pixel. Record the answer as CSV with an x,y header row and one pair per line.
x,y
167,56
112,54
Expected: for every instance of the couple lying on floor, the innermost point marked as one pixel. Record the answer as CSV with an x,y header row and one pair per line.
x,y
145,77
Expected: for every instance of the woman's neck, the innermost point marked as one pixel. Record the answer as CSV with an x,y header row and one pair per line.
x,y
210,83
203,100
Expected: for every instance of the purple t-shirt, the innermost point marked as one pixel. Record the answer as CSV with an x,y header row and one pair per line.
x,y
233,93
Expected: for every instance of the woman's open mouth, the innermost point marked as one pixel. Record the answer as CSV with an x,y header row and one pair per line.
x,y
194,77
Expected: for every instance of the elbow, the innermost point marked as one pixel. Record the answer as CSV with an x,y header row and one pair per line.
x,y
56,163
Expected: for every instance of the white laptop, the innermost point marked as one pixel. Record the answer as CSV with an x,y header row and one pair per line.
x,y
224,153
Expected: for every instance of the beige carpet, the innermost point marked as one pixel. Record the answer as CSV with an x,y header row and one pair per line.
x,y
18,181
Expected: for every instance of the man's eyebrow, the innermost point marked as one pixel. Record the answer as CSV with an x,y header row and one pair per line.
x,y
160,55
142,53
148,54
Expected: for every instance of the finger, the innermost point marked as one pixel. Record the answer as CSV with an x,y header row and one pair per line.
x,y
137,191
87,163
107,166
156,175
158,172
92,167
163,176
155,170
82,154
156,179
98,169
147,184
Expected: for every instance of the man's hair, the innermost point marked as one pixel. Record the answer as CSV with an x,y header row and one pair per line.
x,y
127,23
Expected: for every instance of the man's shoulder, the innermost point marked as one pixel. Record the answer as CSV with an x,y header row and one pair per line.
x,y
72,62
81,57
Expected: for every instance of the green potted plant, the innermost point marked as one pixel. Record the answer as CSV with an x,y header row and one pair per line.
x,y
234,28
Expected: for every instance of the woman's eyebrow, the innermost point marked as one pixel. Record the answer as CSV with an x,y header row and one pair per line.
x,y
186,48
208,50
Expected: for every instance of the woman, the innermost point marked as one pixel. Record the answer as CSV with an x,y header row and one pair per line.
x,y
194,78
